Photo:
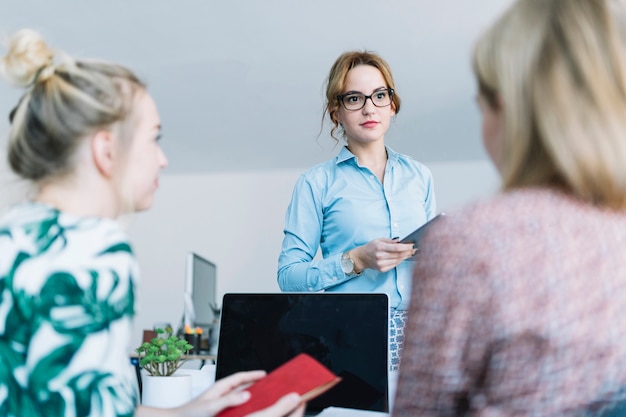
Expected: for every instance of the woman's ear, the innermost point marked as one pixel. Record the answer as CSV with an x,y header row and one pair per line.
x,y
104,152
333,114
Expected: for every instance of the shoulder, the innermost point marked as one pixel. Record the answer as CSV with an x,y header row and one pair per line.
x,y
472,246
322,173
36,237
23,214
502,210
507,220
408,163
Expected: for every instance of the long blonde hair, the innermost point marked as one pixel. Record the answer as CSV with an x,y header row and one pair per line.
x,y
556,70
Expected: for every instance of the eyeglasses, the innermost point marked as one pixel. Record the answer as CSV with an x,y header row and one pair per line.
x,y
356,101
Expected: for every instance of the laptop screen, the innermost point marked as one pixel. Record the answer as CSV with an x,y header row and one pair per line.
x,y
345,332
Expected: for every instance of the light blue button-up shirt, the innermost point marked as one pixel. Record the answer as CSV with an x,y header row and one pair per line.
x,y
339,205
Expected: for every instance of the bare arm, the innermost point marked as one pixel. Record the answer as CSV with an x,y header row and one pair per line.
x,y
228,392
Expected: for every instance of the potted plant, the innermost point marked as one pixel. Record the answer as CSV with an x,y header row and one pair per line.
x,y
164,354
160,358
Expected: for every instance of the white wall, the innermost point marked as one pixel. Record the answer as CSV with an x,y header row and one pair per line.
x,y
11,188
235,220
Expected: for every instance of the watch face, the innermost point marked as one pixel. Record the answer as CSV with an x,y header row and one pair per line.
x,y
347,265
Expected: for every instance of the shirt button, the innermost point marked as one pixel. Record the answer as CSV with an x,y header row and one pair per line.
x,y
310,288
334,278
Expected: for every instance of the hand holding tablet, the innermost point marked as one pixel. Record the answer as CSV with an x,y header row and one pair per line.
x,y
415,235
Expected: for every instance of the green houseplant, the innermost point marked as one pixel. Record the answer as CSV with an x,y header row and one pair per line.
x,y
164,354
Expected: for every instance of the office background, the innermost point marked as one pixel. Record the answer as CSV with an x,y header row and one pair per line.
x,y
239,86
235,219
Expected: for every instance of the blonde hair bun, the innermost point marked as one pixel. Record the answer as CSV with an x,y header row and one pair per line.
x,y
28,58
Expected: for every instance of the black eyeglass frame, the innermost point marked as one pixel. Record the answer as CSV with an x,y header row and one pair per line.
x,y
389,91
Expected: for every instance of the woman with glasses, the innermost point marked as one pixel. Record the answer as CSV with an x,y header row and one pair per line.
x,y
355,206
518,300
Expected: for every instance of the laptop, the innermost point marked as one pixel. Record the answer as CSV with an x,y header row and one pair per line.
x,y
346,332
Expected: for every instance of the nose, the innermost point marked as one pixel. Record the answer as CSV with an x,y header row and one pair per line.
x,y
163,162
368,107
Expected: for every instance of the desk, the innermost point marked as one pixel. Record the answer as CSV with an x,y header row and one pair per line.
x,y
350,412
202,358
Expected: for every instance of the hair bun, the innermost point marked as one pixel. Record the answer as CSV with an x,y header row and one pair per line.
x,y
28,58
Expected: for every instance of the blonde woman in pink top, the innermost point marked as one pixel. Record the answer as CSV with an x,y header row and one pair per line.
x,y
518,302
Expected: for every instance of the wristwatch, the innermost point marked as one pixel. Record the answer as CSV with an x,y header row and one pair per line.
x,y
347,265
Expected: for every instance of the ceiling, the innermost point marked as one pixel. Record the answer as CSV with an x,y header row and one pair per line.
x,y
240,84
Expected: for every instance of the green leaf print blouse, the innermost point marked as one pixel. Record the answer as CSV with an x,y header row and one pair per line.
x,y
67,299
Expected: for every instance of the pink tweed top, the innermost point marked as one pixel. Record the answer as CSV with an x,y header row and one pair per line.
x,y
518,308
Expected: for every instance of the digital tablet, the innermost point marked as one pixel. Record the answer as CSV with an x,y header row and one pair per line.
x,y
416,234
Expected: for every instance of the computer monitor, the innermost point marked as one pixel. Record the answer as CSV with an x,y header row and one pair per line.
x,y
346,332
200,289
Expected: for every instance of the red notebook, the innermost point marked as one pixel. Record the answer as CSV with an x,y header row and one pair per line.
x,y
302,374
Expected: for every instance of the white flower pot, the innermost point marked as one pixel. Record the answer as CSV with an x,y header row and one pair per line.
x,y
165,391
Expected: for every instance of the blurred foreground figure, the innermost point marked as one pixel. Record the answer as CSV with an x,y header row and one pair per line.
x,y
518,301
85,134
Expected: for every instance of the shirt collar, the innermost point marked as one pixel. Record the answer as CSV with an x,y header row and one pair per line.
x,y
344,155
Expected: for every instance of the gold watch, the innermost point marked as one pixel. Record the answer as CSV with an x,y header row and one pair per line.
x,y
347,265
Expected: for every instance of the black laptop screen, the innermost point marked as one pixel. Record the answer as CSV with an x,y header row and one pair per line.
x,y
345,332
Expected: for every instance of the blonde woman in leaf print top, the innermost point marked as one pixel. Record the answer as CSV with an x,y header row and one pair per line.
x,y
86,134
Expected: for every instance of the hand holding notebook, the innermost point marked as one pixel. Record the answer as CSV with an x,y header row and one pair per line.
x,y
302,374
